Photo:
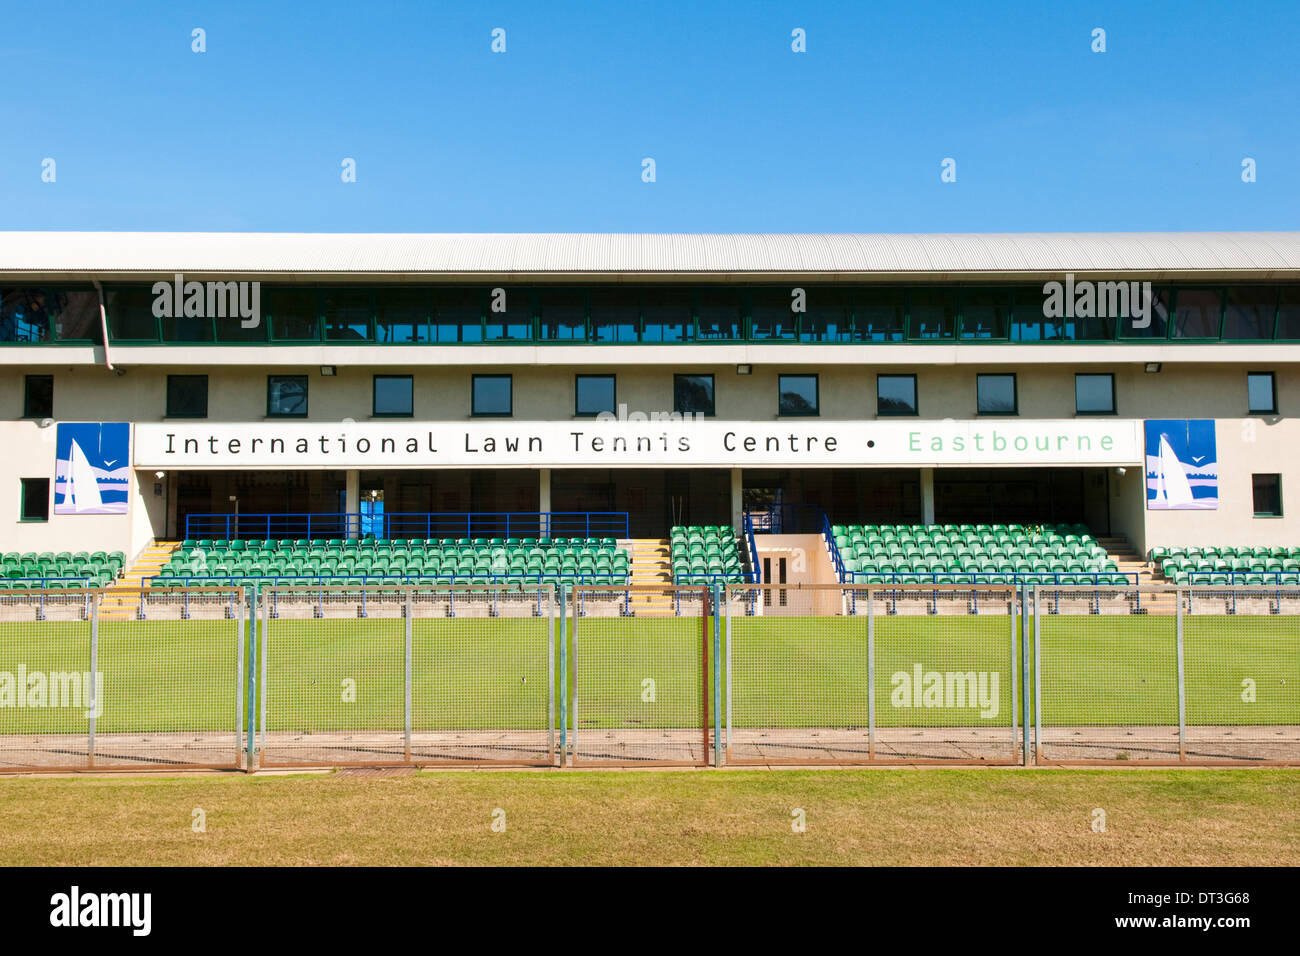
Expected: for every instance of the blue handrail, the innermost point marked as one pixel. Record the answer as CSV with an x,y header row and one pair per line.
x,y
828,532
292,580
489,524
755,569
1062,578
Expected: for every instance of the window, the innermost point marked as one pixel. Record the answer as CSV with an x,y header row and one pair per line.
x,y
666,315
896,395
996,395
1261,393
718,313
34,499
187,396
797,395
492,395
1268,495
515,320
1288,313
347,315
878,315
402,315
1198,313
1249,312
38,396
130,314
1156,317
458,315
594,394
393,396
693,394
931,313
985,314
614,315
770,314
1094,394
827,318
293,314
563,316
286,396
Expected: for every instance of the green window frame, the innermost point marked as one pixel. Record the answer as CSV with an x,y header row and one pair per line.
x,y
886,411
33,499
1114,398
38,396
274,386
592,381
178,405
478,412
385,381
989,378
1269,408
787,407
1266,495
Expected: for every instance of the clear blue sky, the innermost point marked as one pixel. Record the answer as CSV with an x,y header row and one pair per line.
x,y
747,135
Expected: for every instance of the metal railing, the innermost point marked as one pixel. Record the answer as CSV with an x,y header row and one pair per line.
x,y
755,569
487,524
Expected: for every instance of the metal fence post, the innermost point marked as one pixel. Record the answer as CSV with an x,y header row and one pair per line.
x,y
262,645
871,673
717,678
406,690
94,682
240,627
251,689
1038,683
1182,689
564,677
727,616
1016,689
550,673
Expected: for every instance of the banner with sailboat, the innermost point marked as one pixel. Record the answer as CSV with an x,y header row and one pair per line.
x,y
92,468
1182,465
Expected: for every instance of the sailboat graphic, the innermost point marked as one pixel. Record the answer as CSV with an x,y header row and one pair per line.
x,y
82,483
1172,486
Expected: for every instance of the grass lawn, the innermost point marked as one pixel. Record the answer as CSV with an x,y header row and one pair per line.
x,y
787,672
893,817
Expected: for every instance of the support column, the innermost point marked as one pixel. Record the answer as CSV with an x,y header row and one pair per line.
x,y
737,497
352,499
927,496
544,497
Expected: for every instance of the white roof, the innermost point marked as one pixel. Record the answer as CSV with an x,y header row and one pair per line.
x,y
1261,255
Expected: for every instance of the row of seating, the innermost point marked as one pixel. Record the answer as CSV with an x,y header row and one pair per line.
x,y
705,554
388,544
61,569
1228,565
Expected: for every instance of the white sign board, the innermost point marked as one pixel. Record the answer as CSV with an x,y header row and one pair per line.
x,y
650,444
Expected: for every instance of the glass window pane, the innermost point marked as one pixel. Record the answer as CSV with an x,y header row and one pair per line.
x,y
666,315
1197,313
1260,392
130,314
458,315
38,396
492,395
985,313
770,314
693,394
1154,315
878,315
515,322
187,396
347,314
595,394
995,394
35,505
1288,313
896,395
797,395
932,313
23,316
1268,495
828,317
1094,394
718,314
1249,312
402,315
394,395
293,313
563,316
76,315
614,315
286,396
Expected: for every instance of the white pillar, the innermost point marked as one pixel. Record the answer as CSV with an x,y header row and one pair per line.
x,y
737,498
927,496
544,490
352,498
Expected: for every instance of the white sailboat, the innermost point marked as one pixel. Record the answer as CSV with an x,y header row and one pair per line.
x,y
81,488
1172,486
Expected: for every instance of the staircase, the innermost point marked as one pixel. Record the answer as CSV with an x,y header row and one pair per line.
x,y
1130,562
651,565
121,600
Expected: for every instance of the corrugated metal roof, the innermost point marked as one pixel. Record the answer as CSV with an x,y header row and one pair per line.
x,y
1264,253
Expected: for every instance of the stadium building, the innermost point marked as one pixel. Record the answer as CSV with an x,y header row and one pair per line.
x,y
793,405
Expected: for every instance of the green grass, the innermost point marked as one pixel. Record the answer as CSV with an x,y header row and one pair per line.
x,y
792,672
951,817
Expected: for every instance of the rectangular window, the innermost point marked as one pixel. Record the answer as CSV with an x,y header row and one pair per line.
x,y
718,315
347,315
1261,392
394,396
985,314
770,315
24,316
896,395
38,396
1094,394
1198,313
34,499
996,394
693,394
458,315
666,315
1268,495
293,314
878,315
286,396
402,315
614,315
594,394
827,317
797,395
563,316
1249,313
1155,323
187,396
931,314
492,396
515,322
1288,313
130,314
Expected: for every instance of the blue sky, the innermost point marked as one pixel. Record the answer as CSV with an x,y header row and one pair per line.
x,y
747,136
